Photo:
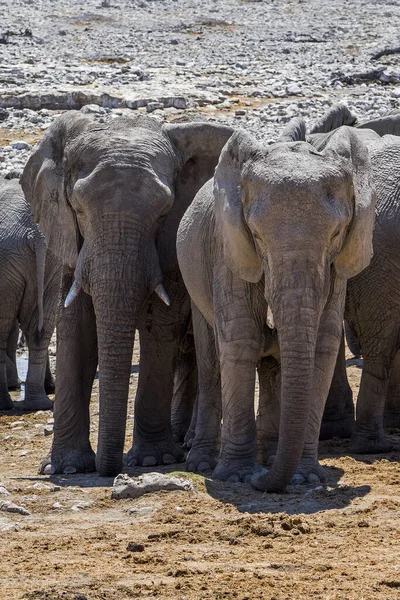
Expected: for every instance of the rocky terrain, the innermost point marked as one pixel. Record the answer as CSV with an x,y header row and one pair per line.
x,y
255,64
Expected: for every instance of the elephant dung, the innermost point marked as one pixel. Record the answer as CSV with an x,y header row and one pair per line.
x,y
127,487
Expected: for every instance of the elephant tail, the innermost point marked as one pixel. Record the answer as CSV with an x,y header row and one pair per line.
x,y
40,254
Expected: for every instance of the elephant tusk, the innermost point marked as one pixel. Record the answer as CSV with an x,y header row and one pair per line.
x,y
72,294
162,294
270,318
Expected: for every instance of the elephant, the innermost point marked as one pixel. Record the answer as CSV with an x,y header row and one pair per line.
x,y
372,309
269,243
109,199
30,280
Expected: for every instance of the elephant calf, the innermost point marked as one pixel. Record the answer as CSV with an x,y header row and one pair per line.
x,y
29,285
271,240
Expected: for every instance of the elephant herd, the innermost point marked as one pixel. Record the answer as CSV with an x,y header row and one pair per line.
x,y
197,231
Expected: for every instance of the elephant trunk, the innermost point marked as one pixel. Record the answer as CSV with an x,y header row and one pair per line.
x,y
298,305
120,280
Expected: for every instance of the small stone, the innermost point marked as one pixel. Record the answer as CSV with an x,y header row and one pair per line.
x,y
4,491
57,505
48,430
20,145
3,114
240,112
152,106
133,547
13,508
293,89
92,109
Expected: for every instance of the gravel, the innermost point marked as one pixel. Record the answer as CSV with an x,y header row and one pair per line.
x,y
255,64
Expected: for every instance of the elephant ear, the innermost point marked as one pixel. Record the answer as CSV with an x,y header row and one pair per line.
x,y
384,125
44,184
239,250
197,147
357,250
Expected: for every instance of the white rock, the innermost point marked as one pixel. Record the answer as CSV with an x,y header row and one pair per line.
x,y
127,487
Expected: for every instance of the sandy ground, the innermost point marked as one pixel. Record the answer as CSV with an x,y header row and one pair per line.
x,y
339,541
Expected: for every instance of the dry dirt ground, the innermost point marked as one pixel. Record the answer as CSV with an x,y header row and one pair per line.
x,y
339,541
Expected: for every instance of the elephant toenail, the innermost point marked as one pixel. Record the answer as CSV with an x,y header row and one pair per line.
x,y
297,479
149,461
247,478
313,478
48,470
204,466
69,470
233,479
168,459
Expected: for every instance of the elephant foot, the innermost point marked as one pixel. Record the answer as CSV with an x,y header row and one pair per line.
x,y
236,470
340,428
5,402
36,402
68,462
147,454
309,471
377,444
201,459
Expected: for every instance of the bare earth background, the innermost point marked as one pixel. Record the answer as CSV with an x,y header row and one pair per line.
x,y
255,64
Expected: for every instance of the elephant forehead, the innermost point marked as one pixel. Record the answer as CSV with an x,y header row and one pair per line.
x,y
297,172
139,148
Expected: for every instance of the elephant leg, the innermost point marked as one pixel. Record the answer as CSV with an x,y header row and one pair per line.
x,y
7,323
392,407
191,432
338,418
5,399
185,390
49,383
76,367
239,344
352,341
203,454
13,380
161,333
368,434
268,413
330,334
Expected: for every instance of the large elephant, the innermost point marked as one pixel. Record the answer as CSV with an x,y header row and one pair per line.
x,y
30,280
373,299
273,239
109,199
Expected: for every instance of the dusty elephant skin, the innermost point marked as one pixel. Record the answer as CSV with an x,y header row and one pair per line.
x,y
373,300
109,199
30,278
282,229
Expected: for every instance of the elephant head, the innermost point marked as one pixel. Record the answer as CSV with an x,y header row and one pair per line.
x,y
301,218
109,199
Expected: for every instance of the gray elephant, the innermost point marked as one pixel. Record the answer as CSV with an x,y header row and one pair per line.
x,y
270,242
373,299
30,279
109,199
